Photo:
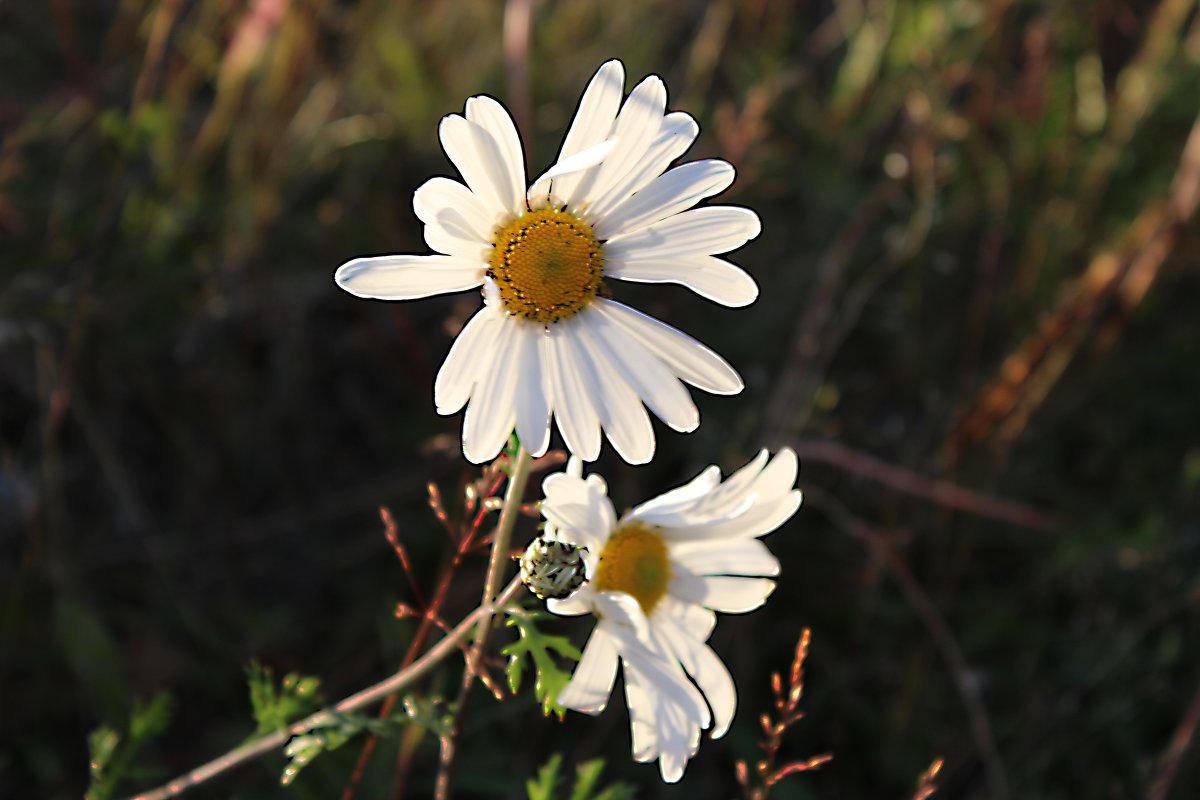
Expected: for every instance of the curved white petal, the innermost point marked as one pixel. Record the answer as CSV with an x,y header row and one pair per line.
x,y
737,557
653,382
491,413
721,593
592,124
473,350
573,606
635,129
701,231
710,277
407,277
675,135
670,193
778,477
679,498
578,420
621,612
622,416
533,393
698,621
446,235
439,194
666,711
758,520
541,189
481,160
706,669
583,515
487,113
592,683
687,358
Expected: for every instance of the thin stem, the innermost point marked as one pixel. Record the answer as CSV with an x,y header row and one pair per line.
x,y
504,528
354,702
499,557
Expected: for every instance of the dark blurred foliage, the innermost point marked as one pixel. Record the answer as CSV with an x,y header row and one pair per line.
x,y
978,325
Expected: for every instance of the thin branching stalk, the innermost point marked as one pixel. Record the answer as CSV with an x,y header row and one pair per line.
x,y
354,702
499,557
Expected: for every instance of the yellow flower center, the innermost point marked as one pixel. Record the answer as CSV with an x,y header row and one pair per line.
x,y
634,561
547,264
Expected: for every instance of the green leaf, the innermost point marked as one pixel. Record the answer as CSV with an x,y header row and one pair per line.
x,y
549,678
587,775
112,752
337,728
274,708
542,787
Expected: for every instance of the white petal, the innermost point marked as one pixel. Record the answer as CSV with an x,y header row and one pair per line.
x,y
533,399
706,669
577,417
491,414
592,124
670,193
622,612
666,711
483,165
439,194
635,129
687,358
701,231
698,621
592,683
584,515
737,557
573,606
406,277
447,235
540,190
622,416
470,356
680,497
759,520
779,476
712,278
720,593
487,113
675,135
653,382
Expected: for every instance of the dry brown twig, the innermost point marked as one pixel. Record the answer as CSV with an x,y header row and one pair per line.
x,y
787,709
464,534
927,783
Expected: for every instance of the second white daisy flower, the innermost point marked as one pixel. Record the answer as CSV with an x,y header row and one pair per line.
x,y
655,578
549,342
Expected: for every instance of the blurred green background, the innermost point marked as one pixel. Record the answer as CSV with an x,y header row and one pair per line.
x,y
978,326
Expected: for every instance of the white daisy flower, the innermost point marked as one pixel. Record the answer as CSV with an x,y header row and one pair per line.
x,y
549,341
655,577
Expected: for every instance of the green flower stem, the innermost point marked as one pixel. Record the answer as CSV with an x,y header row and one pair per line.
x,y
354,702
518,478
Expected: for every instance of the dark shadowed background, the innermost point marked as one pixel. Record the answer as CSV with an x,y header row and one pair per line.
x,y
978,327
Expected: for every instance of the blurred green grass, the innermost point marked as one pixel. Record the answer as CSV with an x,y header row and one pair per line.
x,y
197,426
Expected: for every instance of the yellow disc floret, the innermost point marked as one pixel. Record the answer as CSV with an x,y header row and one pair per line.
x,y
634,561
547,264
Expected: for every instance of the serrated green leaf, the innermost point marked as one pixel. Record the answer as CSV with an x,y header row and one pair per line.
x,y
338,728
542,787
549,678
296,696
586,776
112,752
